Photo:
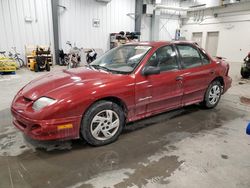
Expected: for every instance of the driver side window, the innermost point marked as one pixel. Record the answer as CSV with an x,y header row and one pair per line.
x,y
165,58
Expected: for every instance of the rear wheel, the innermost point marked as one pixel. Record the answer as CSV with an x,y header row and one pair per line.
x,y
213,95
102,123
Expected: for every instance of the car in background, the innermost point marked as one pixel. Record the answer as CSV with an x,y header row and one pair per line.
x,y
126,84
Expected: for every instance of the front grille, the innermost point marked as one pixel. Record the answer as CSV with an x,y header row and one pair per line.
x,y
22,124
35,127
27,99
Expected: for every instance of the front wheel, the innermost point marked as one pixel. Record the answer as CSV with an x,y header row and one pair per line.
x,y
20,62
102,123
213,95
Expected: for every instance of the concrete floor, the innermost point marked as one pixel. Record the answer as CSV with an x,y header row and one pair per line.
x,y
188,147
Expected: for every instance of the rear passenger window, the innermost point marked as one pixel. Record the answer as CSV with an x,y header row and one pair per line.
x,y
190,56
165,58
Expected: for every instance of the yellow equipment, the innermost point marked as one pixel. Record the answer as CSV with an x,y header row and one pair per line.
x,y
7,65
31,59
32,53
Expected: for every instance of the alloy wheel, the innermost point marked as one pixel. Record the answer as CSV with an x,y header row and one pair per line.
x,y
104,125
214,94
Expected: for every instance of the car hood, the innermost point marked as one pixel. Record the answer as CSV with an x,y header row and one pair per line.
x,y
66,81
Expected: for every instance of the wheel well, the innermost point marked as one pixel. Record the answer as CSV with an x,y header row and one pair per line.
x,y
220,79
116,100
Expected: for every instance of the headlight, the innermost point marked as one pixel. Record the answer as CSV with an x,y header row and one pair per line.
x,y
42,102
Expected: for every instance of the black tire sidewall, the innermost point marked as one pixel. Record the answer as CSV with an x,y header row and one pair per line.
x,y
89,115
206,99
21,62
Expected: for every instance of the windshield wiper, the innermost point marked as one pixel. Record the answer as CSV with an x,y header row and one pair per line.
x,y
88,65
108,70
101,67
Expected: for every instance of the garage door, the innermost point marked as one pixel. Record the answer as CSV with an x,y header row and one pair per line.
x,y
212,43
197,37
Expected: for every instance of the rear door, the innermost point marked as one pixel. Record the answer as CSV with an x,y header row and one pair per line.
x,y
196,74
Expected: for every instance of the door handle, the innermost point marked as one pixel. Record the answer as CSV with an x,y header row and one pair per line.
x,y
178,78
212,72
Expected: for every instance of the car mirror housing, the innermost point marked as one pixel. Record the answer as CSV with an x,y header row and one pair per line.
x,y
149,70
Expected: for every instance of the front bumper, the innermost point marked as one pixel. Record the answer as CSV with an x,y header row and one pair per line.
x,y
55,129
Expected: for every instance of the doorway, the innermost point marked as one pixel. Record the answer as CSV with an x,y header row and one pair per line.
x,y
212,43
197,37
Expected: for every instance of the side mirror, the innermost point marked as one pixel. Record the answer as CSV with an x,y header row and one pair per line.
x,y
149,70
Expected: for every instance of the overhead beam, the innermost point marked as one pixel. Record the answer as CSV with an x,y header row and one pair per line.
x,y
155,25
138,14
54,5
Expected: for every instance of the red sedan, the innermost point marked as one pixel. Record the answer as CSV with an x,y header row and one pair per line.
x,y
127,83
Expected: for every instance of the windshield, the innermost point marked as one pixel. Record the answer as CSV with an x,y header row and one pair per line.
x,y
123,59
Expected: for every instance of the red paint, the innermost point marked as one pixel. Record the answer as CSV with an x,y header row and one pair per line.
x,y
76,89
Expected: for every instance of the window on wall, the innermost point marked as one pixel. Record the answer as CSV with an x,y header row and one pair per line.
x,y
190,56
165,58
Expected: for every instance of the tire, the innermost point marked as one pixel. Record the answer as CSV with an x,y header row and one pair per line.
x,y
21,62
47,67
66,60
18,65
96,123
244,73
36,68
212,95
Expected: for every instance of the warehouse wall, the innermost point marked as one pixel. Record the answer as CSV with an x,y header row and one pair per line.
x,y
75,22
15,31
233,24
169,22
146,25
168,26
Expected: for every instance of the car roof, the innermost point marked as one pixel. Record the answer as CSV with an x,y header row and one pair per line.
x,y
161,43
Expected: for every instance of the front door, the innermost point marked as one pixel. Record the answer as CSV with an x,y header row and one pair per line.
x,y
160,92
